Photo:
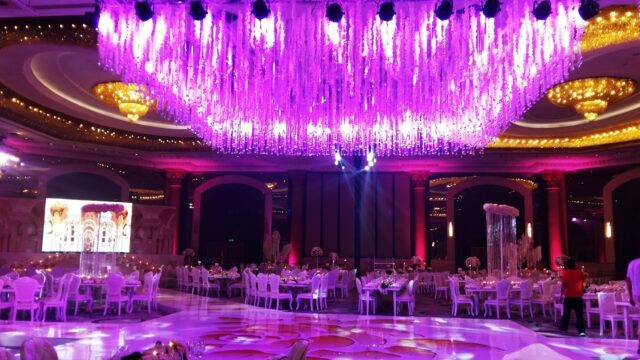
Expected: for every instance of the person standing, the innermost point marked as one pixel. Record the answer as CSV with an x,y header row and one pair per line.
x,y
633,286
572,286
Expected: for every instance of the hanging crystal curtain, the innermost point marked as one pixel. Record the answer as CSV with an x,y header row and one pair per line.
x,y
502,248
296,83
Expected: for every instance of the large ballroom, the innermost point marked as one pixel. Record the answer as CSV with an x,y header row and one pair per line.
x,y
302,179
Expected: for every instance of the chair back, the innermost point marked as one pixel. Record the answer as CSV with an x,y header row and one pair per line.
x,y
315,284
606,303
25,290
40,278
254,281
73,283
135,275
299,350
37,349
359,286
5,354
502,289
526,290
113,285
324,284
155,281
274,284
263,281
546,290
454,285
185,275
332,279
233,269
195,277
410,288
13,275
204,274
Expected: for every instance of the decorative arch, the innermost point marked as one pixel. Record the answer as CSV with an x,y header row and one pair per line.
x,y
223,180
454,190
53,173
607,195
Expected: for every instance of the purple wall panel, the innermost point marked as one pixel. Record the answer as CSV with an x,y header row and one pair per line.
x,y
402,189
368,217
346,217
313,212
330,213
384,215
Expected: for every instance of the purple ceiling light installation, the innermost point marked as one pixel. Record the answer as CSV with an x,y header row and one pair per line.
x,y
298,83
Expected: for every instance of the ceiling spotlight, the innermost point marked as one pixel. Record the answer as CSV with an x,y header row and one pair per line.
x,y
334,12
542,9
144,11
444,10
386,11
491,8
197,11
588,9
260,9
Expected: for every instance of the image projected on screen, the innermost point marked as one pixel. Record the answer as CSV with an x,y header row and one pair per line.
x,y
86,225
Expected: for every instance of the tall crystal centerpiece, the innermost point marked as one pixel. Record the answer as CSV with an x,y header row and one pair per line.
x,y
502,247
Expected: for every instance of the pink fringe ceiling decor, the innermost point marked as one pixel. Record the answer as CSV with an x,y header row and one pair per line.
x,y
296,83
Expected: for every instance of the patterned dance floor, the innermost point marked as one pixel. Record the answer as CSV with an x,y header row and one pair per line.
x,y
236,331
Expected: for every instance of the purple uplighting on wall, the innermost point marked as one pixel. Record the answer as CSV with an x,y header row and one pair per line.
x,y
296,83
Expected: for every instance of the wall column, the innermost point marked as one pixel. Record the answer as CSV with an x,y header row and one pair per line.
x,y
174,185
296,191
419,190
556,214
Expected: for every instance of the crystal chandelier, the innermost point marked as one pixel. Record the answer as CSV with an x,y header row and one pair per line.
x,y
299,82
591,96
132,100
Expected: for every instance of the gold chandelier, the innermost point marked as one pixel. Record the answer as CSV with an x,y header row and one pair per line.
x,y
131,100
591,96
613,25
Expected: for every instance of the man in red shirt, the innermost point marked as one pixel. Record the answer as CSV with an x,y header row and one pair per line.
x,y
572,285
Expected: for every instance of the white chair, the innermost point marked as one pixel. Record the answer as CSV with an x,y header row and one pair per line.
x,y
37,349
186,282
609,313
364,297
323,291
342,285
503,288
239,286
252,292
25,289
179,278
558,305
196,283
248,291
298,351
545,299
590,310
275,294
134,275
207,285
526,294
60,299
332,283
113,285
143,296
407,297
262,290
458,299
4,304
312,296
78,298
441,287
41,279
155,289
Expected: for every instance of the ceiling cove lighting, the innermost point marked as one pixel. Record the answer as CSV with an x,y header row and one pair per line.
x,y
613,25
342,97
591,96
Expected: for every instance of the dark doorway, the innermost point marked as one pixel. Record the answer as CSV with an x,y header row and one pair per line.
x,y
626,217
470,221
231,225
83,186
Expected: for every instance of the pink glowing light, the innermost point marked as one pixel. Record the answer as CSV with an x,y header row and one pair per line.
x,y
297,84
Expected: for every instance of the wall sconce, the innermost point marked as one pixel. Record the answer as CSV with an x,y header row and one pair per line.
x,y
529,230
607,230
450,229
